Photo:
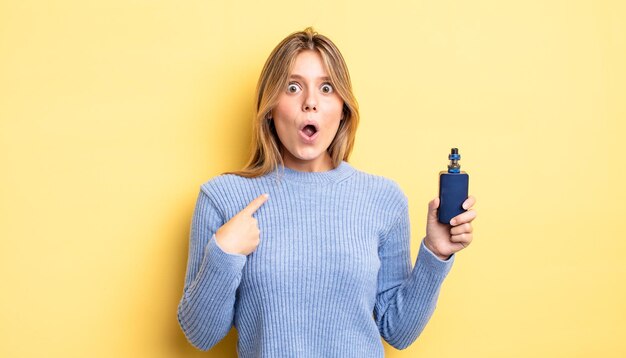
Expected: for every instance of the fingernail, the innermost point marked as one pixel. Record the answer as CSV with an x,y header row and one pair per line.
x,y
452,222
266,195
465,206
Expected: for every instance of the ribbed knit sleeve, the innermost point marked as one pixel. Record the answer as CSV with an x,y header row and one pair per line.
x,y
206,309
406,298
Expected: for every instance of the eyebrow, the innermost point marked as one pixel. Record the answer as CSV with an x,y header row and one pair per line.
x,y
297,76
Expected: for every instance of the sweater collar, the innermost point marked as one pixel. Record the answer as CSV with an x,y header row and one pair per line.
x,y
342,171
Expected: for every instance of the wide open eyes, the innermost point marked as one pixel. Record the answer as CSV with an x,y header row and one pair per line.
x,y
294,87
327,88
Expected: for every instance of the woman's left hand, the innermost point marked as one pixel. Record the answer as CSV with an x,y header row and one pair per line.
x,y
443,239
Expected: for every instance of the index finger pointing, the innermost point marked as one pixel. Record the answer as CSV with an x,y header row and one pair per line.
x,y
256,204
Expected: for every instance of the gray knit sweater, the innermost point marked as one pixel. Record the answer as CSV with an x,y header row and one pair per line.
x,y
331,276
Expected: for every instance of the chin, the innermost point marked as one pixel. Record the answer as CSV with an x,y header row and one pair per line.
x,y
309,156
306,153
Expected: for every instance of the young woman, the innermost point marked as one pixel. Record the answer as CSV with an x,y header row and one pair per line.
x,y
321,267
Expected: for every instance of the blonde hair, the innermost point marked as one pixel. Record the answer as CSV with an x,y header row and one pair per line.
x,y
265,155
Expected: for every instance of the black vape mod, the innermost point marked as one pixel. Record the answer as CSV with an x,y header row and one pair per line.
x,y
453,186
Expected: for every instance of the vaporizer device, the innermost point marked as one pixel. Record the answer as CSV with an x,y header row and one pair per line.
x,y
453,186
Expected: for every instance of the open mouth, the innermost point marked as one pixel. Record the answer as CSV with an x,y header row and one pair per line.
x,y
309,130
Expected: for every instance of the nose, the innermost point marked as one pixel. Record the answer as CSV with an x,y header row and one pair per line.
x,y
310,102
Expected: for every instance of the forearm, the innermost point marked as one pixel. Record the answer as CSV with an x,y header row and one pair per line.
x,y
206,309
408,310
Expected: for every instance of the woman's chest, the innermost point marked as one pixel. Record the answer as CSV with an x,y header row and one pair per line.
x,y
303,250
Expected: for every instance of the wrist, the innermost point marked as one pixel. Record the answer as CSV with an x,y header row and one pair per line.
x,y
435,252
223,246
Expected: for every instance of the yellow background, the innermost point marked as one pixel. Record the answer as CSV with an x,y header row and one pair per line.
x,y
112,114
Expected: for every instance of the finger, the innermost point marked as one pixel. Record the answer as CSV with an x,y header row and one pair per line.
x,y
465,217
460,229
255,204
464,239
469,202
432,208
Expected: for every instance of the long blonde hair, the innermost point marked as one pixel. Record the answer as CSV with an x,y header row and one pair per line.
x,y
266,153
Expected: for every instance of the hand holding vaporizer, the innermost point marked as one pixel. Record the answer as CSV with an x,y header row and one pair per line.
x,y
453,187
449,221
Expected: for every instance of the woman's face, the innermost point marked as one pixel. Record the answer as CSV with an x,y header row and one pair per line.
x,y
307,115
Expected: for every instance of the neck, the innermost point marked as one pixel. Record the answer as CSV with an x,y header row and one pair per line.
x,y
320,164
341,172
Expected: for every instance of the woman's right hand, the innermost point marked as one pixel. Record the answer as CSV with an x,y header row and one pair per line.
x,y
240,235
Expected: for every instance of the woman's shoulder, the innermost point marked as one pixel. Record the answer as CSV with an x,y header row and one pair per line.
x,y
225,182
381,184
230,192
